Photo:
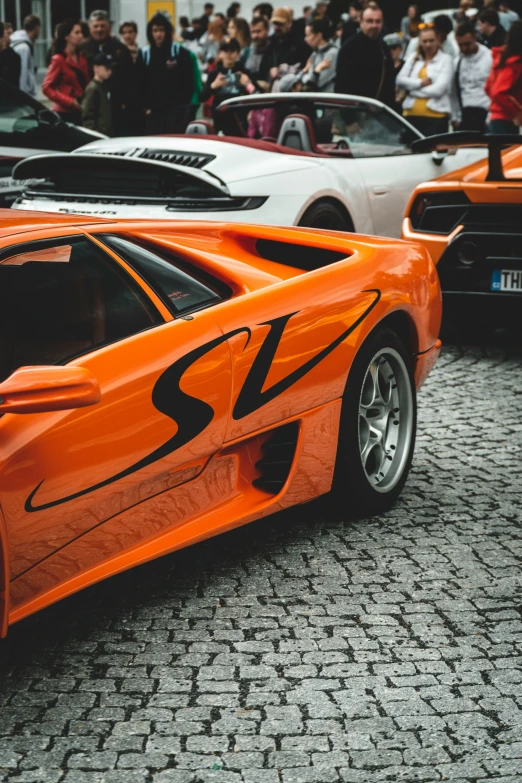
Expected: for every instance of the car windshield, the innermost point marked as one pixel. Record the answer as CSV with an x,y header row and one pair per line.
x,y
358,128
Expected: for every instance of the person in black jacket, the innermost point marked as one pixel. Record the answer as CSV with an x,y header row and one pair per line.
x,y
167,79
122,84
208,10
10,63
364,64
352,26
491,32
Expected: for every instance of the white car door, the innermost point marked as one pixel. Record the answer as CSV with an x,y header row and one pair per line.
x,y
380,140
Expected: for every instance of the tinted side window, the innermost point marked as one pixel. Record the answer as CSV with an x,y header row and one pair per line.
x,y
179,290
61,300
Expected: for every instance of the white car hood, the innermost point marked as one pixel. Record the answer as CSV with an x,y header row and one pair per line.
x,y
232,162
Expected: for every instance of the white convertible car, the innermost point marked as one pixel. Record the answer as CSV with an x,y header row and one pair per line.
x,y
290,159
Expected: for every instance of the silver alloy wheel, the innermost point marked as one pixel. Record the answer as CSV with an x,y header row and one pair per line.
x,y
385,419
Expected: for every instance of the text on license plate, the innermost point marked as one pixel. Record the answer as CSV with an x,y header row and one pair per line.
x,y
506,280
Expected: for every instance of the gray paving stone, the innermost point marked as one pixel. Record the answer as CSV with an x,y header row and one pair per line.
x,y
261,776
375,758
310,775
39,776
174,776
102,760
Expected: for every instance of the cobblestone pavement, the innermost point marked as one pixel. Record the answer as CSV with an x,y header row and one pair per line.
x,y
304,649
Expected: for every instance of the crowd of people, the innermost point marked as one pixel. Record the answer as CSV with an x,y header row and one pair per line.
x,y
463,72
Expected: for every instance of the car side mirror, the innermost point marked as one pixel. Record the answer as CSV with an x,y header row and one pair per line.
x,y
41,389
48,118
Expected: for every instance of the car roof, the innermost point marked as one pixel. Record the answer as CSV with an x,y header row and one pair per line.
x,y
19,221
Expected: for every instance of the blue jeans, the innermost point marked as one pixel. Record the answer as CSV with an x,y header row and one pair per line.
x,y
502,126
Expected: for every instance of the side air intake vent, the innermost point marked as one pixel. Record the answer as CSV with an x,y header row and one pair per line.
x,y
299,256
277,459
438,213
193,160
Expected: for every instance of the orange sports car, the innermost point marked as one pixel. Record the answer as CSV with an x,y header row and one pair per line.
x,y
471,223
163,382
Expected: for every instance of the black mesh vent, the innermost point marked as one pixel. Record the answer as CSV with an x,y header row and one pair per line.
x,y
438,213
277,459
193,160
115,153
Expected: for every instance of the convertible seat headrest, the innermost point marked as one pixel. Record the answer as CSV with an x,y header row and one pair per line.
x,y
203,127
297,132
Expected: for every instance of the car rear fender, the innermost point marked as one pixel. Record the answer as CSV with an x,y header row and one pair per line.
x,y
405,328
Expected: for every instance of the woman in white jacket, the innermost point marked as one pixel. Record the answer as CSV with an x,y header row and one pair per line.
x,y
427,78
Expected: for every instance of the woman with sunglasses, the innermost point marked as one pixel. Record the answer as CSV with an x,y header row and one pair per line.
x,y
427,78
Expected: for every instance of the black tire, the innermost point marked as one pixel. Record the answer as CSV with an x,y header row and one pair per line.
x,y
358,489
326,215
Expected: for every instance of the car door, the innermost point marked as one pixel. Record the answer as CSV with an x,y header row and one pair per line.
x,y
380,141
66,472
28,128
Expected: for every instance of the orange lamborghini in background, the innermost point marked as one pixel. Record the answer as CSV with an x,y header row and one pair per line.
x,y
163,382
471,223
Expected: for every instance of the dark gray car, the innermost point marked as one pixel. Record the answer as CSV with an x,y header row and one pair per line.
x,y
28,128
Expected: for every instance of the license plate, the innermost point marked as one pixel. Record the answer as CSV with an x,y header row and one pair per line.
x,y
506,280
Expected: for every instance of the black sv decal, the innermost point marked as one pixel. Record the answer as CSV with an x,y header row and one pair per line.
x,y
193,416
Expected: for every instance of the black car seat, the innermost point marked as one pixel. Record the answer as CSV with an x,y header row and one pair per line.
x,y
297,132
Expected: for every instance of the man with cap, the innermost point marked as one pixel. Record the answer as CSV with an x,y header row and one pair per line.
x,y
96,107
282,48
122,84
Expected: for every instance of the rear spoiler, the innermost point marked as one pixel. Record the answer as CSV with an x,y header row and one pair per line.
x,y
494,142
113,176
